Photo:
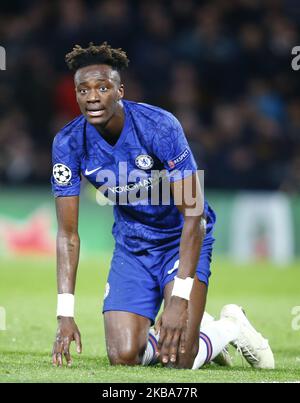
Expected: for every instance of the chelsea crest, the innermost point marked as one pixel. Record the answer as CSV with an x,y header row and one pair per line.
x,y
144,161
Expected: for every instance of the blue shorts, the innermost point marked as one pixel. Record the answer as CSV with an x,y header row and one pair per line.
x,y
136,281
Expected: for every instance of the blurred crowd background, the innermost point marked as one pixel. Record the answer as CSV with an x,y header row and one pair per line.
x,y
223,67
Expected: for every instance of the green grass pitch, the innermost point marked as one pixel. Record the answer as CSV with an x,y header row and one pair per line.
x,y
28,294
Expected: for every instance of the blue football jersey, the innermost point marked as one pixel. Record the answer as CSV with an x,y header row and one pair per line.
x,y
150,150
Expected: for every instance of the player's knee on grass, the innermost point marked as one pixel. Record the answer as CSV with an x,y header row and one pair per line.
x,y
125,355
126,337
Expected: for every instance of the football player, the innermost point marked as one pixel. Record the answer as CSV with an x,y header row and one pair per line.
x,y
163,246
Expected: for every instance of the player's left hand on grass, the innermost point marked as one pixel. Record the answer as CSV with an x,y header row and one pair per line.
x,y
172,327
66,333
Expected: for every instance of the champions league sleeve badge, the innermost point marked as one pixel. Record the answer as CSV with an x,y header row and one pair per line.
x,y
144,161
62,174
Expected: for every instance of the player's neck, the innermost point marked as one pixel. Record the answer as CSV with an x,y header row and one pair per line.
x,y
113,129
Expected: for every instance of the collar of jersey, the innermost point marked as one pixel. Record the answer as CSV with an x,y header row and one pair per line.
x,y
91,130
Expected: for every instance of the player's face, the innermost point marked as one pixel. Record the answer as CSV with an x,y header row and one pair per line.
x,y
98,92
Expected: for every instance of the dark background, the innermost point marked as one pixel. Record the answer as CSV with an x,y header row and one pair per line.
x,y
223,67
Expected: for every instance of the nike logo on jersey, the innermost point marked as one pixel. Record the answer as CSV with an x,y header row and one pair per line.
x,y
92,171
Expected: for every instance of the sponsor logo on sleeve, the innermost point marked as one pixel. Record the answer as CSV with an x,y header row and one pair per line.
x,y
180,158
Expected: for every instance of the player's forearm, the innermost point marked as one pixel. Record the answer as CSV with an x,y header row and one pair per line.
x,y
192,237
68,246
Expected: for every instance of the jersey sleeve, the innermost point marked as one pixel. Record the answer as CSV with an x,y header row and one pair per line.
x,y
65,179
171,147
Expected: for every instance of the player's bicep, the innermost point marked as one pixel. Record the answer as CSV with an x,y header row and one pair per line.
x,y
67,214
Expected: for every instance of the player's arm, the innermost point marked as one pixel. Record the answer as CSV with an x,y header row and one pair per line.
x,y
189,200
68,244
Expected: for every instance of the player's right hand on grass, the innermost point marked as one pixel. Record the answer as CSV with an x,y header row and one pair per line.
x,y
66,333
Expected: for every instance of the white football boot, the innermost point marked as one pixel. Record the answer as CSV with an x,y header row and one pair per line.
x,y
253,346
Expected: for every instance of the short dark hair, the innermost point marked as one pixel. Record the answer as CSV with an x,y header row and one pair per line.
x,y
96,54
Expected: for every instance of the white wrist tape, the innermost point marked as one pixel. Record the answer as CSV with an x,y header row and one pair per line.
x,y
65,305
182,287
